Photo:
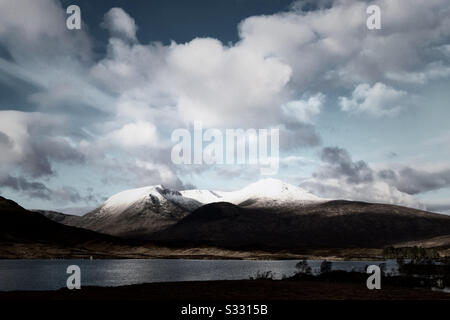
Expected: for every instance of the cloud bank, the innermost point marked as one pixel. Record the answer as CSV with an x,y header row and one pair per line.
x,y
114,114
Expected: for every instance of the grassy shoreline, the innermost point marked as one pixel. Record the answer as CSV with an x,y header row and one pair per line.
x,y
44,251
149,251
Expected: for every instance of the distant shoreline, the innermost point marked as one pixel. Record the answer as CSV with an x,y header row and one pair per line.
x,y
48,251
107,251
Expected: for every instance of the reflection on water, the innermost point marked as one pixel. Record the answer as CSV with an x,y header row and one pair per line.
x,y
51,274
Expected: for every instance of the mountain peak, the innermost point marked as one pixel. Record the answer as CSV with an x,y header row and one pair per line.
x,y
278,190
267,191
122,200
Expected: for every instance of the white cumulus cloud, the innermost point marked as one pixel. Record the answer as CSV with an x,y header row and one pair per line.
x,y
120,24
304,110
378,100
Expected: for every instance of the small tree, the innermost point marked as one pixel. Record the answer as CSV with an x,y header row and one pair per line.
x,y
302,267
325,266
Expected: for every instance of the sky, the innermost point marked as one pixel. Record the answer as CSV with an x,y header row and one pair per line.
x,y
362,114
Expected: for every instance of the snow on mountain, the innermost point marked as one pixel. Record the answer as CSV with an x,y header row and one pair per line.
x,y
122,200
155,198
203,197
272,192
266,192
263,193
135,212
140,212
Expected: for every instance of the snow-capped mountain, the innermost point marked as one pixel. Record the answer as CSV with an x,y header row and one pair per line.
x,y
267,213
156,198
144,210
135,212
263,193
266,192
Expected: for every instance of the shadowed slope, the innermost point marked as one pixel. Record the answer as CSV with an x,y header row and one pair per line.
x,y
331,224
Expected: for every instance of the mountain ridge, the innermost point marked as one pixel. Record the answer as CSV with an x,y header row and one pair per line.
x,y
336,223
21,225
138,212
268,213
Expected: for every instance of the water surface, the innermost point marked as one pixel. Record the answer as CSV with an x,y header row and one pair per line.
x,y
51,274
